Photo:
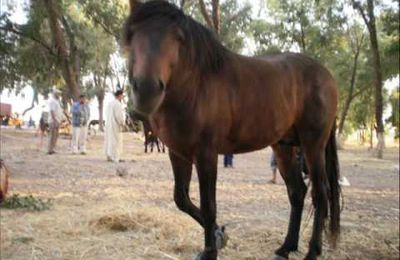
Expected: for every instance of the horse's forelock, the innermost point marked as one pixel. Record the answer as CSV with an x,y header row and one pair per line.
x,y
154,11
203,48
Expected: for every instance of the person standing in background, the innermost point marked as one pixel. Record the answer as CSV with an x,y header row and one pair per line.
x,y
274,168
115,120
228,160
80,117
55,118
43,127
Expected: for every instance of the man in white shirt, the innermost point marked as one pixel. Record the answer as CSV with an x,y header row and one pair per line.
x,y
55,118
115,120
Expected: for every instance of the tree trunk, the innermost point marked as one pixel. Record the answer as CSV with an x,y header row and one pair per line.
x,y
68,69
100,100
350,95
213,20
34,100
74,54
303,38
371,137
378,82
216,15
205,14
65,101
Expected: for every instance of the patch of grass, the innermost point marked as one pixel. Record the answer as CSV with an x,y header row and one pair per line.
x,y
24,240
25,202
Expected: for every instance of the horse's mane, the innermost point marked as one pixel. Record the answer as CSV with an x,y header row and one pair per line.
x,y
204,50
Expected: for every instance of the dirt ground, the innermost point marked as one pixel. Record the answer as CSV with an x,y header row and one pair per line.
x,y
97,214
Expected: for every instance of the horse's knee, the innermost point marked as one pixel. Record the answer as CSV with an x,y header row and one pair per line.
x,y
181,200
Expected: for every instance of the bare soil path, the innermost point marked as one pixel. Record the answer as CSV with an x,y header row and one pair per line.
x,y
97,214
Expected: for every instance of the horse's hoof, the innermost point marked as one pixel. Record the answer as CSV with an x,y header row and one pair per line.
x,y
202,256
310,257
221,238
278,257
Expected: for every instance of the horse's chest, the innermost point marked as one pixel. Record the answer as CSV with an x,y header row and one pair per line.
x,y
176,133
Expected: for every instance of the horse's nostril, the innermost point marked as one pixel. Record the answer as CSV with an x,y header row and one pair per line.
x,y
162,85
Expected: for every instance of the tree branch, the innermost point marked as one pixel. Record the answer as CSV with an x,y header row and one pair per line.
x,y
101,24
34,100
357,6
10,28
358,93
237,14
205,14
216,15
182,3
98,21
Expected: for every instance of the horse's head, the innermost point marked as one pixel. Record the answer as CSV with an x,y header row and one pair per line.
x,y
152,39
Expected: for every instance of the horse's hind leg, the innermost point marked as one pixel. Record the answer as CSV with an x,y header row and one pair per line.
x,y
291,174
314,151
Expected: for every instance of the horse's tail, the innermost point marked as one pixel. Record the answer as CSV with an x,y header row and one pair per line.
x,y
334,193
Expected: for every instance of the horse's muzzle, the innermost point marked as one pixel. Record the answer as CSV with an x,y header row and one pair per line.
x,y
147,94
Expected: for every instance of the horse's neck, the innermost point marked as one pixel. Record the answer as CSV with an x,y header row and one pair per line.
x,y
184,84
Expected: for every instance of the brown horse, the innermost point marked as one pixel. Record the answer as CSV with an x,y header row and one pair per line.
x,y
203,100
150,139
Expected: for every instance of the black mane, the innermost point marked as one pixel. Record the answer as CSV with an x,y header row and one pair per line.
x,y
203,49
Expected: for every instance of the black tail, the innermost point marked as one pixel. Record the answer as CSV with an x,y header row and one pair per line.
x,y
332,171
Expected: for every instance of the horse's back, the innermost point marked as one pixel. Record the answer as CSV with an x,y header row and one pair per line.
x,y
316,90
308,67
275,94
313,80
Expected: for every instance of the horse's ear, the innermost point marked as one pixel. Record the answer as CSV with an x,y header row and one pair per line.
x,y
133,4
180,35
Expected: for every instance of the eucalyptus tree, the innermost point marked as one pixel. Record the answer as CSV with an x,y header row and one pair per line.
x,y
327,31
27,55
394,118
228,20
367,12
64,43
100,71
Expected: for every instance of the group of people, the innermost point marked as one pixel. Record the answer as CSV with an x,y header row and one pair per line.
x,y
51,121
80,115
114,123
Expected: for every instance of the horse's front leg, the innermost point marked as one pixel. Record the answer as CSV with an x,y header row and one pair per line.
x,y
206,165
182,168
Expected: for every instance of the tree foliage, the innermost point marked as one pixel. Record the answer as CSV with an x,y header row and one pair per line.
x,y
329,31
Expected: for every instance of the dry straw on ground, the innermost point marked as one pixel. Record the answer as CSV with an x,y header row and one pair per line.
x,y
96,214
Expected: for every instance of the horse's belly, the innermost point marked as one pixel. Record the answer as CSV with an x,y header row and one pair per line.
x,y
245,145
245,148
248,139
